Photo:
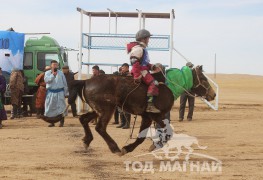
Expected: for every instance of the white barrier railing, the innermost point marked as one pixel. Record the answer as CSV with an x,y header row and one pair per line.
x,y
215,105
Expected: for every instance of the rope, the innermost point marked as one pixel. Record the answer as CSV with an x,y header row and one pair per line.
x,y
196,75
131,131
181,55
135,118
138,84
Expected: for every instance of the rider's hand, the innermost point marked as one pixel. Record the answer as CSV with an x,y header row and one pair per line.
x,y
55,73
138,79
153,67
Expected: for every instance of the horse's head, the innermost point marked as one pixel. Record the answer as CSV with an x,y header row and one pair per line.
x,y
201,86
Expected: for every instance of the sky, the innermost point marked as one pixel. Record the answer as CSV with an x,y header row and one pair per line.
x,y
231,29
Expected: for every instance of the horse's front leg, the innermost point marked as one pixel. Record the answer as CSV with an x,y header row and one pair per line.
x,y
146,123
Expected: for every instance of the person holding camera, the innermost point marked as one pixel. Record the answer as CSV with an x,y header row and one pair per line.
x,y
57,90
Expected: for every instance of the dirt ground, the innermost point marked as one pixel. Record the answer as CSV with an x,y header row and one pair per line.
x,y
233,134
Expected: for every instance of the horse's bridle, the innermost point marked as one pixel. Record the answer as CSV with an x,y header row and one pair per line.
x,y
200,84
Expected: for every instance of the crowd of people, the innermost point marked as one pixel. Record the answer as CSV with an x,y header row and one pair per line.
x,y
54,86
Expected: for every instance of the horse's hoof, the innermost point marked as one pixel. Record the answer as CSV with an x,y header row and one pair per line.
x,y
123,151
85,146
151,148
118,153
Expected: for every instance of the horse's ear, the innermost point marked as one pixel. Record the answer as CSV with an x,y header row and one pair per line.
x,y
201,67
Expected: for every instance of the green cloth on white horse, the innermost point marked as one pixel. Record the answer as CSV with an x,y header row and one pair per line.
x,y
178,80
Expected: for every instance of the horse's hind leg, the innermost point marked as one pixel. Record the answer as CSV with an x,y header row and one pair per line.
x,y
84,120
101,126
146,123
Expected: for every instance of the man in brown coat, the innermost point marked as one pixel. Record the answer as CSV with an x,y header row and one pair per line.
x,y
41,93
16,89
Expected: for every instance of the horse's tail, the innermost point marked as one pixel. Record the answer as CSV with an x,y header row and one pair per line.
x,y
78,85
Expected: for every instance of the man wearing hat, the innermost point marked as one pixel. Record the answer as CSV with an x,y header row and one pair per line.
x,y
191,102
70,78
190,65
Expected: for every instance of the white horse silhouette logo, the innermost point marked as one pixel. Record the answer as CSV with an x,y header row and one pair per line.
x,y
165,141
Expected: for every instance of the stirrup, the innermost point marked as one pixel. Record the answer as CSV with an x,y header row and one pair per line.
x,y
151,108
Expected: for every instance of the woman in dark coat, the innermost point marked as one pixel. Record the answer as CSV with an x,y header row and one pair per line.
x,y
2,91
17,89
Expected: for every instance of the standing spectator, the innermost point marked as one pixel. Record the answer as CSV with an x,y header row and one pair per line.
x,y
116,114
72,91
2,91
191,102
125,117
95,70
118,72
26,101
57,90
41,93
17,89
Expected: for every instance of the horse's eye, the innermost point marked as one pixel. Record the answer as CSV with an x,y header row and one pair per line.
x,y
204,78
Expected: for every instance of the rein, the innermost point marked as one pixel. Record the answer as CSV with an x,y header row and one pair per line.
x,y
200,84
135,118
138,84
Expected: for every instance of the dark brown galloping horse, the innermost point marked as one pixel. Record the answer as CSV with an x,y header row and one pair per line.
x,y
103,93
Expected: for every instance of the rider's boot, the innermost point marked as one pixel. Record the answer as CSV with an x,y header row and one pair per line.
x,y
151,108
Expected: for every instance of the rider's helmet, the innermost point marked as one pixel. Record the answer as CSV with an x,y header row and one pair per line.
x,y
141,34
